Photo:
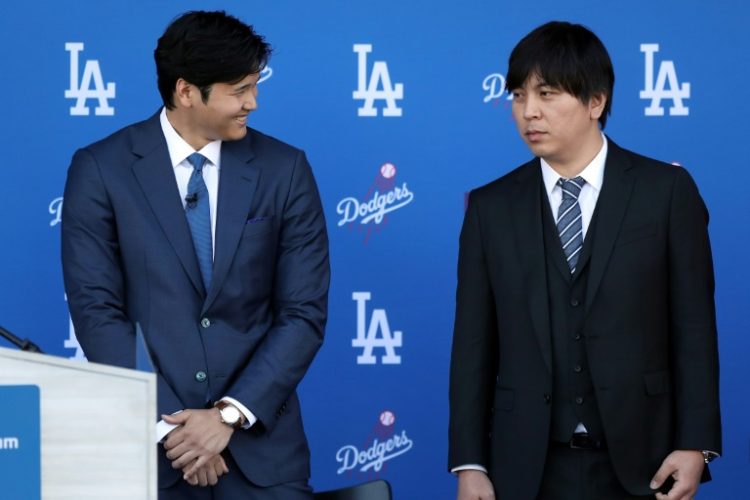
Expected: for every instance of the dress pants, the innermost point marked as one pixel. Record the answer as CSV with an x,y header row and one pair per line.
x,y
575,474
235,486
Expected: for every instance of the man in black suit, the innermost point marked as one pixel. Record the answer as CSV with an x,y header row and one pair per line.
x,y
584,362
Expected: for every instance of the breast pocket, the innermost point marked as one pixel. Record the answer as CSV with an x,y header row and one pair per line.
x,y
257,226
632,234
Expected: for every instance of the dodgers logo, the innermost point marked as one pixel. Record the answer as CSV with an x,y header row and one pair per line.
x,y
377,335
657,91
265,74
83,91
55,209
378,87
494,85
383,445
384,196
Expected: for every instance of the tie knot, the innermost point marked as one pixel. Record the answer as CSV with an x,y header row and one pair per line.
x,y
197,160
571,188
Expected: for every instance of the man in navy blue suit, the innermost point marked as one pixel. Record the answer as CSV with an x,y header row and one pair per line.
x,y
208,237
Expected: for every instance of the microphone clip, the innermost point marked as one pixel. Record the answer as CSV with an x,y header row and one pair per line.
x,y
191,200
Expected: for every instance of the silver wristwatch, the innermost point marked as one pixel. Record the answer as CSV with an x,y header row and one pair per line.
x,y
709,455
229,414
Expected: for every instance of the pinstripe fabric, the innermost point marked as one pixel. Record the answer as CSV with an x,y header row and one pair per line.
x,y
569,224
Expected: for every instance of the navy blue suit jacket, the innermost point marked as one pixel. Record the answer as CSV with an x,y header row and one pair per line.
x,y
128,259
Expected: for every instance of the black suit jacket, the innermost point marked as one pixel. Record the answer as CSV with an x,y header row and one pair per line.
x,y
649,332
128,259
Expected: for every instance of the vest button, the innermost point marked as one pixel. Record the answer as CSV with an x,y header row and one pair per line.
x,y
577,368
546,397
579,400
205,322
200,376
574,302
577,336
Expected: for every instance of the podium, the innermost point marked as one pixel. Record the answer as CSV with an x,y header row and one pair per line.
x,y
97,426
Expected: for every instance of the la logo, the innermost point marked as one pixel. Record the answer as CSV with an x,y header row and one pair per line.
x,y
91,74
368,339
378,87
656,92
72,342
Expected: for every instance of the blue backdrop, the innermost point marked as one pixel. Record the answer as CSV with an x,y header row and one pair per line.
x,y
430,75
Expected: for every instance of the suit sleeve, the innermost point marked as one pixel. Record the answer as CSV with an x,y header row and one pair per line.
x,y
300,303
693,320
473,357
93,274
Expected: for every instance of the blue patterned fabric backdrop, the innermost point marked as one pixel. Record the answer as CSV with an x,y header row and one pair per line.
x,y
400,108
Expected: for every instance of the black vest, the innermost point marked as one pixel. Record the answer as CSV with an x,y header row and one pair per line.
x,y
573,398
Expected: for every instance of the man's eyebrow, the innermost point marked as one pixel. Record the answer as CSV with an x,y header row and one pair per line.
x,y
243,87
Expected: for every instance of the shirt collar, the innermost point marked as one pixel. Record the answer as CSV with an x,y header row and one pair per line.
x,y
179,150
593,174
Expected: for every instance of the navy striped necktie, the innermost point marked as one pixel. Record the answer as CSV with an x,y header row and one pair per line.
x,y
198,213
569,222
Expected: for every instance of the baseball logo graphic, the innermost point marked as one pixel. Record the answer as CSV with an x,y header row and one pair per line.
x,y
387,418
388,170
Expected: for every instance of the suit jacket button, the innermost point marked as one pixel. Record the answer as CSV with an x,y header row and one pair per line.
x,y
574,302
200,376
546,397
205,322
577,336
579,400
577,368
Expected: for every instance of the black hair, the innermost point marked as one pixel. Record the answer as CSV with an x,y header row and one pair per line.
x,y
566,56
204,48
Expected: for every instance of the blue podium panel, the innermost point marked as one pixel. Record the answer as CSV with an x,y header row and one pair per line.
x,y
20,450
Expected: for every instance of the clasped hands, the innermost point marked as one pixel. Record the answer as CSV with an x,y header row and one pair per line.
x,y
195,445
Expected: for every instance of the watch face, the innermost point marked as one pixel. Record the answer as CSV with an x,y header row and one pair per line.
x,y
230,415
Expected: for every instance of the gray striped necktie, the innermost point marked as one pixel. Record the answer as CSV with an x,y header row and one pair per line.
x,y
569,223
198,213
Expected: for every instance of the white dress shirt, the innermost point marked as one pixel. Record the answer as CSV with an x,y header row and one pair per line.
x,y
179,150
593,174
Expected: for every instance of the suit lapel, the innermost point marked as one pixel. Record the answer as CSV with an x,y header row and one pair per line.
x,y
610,210
153,171
527,214
238,180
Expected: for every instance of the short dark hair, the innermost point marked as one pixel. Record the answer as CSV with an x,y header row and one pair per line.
x,y
567,56
204,48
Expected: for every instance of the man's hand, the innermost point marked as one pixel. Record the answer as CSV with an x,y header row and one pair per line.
x,y
210,473
474,485
200,437
685,467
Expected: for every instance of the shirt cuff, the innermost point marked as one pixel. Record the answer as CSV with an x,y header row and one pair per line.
x,y
163,428
478,467
250,418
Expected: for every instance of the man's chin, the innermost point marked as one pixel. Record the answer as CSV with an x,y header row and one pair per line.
x,y
537,149
235,134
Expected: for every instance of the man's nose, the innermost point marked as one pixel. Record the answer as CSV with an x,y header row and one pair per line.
x,y
531,108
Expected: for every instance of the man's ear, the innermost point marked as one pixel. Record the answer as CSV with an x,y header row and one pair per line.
x,y
596,106
184,93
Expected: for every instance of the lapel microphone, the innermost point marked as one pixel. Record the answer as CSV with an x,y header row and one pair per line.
x,y
191,199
